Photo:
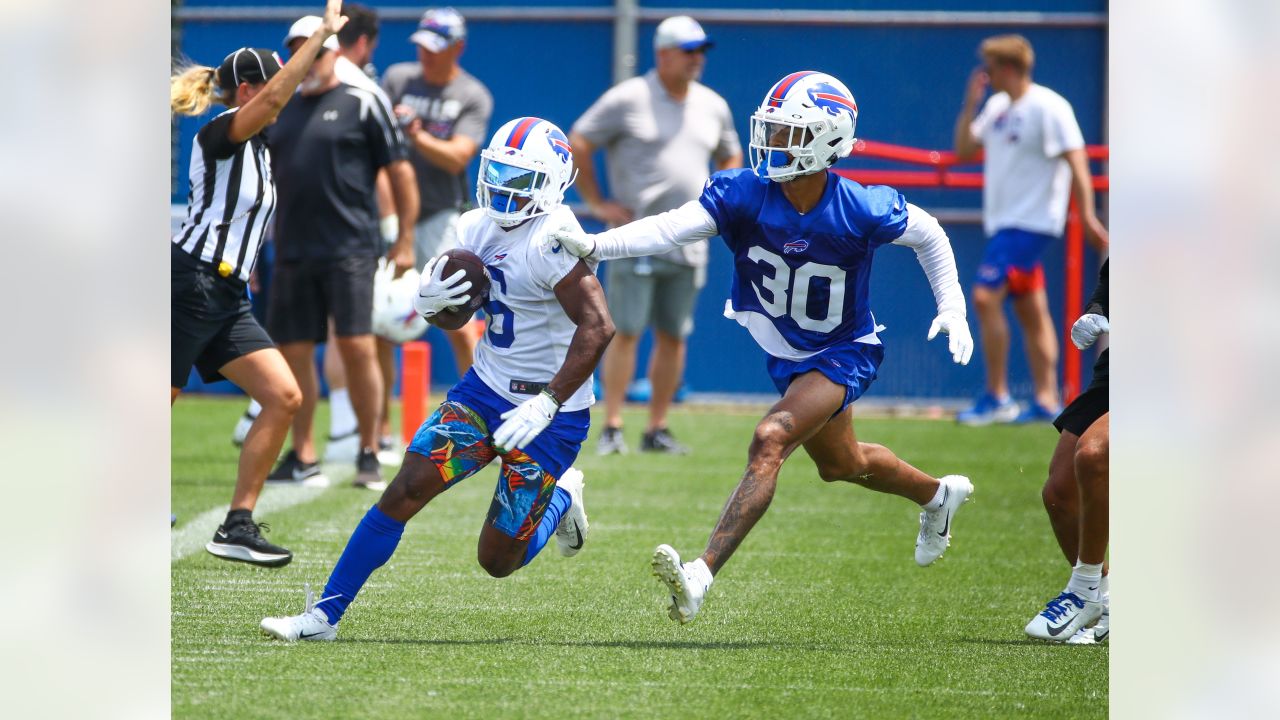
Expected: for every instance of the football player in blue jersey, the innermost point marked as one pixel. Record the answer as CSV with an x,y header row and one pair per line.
x,y
802,240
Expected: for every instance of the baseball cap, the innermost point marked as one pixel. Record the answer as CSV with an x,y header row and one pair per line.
x,y
305,27
251,65
439,28
681,31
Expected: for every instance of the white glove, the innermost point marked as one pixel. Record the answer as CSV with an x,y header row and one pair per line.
x,y
1087,329
435,294
525,421
960,342
578,243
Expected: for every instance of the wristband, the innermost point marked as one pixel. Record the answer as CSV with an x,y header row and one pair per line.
x,y
552,395
389,226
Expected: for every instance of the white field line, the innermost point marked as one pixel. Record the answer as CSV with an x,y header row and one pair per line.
x,y
194,533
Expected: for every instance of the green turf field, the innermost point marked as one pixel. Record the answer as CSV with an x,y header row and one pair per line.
x,y
821,613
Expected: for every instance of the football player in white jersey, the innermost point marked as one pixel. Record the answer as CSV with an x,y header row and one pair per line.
x,y
802,240
526,398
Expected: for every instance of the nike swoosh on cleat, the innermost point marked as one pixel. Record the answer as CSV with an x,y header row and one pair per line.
x,y
304,636
221,534
578,533
1055,632
1095,587
946,495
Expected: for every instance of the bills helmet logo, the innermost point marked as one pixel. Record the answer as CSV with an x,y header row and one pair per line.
x,y
832,100
795,246
560,144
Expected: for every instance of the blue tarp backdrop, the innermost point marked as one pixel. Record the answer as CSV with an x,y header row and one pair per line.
x,y
909,83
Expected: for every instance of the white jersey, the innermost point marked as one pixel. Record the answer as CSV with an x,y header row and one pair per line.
x,y
1026,181
527,334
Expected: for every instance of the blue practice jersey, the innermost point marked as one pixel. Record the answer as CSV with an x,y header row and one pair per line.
x,y
800,281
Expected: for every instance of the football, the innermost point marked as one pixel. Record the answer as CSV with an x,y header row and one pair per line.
x,y
473,266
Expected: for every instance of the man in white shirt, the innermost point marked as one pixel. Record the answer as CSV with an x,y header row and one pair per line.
x,y
661,133
1034,159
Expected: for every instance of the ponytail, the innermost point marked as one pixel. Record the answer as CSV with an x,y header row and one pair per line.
x,y
192,90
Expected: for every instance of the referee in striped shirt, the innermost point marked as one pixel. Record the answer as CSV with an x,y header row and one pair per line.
x,y
231,202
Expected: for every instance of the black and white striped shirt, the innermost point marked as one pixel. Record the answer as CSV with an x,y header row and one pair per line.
x,y
231,201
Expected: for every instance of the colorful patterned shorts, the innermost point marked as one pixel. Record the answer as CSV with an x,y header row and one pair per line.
x,y
458,439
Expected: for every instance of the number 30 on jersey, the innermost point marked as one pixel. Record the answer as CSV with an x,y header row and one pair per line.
x,y
789,295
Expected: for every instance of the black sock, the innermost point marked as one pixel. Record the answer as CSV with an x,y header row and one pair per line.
x,y
236,517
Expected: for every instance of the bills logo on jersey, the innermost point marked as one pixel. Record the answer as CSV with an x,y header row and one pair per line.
x,y
827,97
795,246
500,258
560,144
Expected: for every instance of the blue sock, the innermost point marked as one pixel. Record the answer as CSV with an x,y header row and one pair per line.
x,y
556,508
369,548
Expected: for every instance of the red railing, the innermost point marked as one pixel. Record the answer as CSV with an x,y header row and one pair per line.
x,y
942,174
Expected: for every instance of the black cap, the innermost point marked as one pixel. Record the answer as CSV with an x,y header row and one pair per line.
x,y
251,65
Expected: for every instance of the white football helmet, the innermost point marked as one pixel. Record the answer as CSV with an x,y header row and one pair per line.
x,y
394,316
525,171
803,126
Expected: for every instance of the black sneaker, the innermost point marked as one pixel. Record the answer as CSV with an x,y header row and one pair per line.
x,y
662,441
612,442
369,471
292,470
243,541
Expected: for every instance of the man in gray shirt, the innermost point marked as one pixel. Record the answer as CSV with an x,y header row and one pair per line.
x,y
660,133
444,111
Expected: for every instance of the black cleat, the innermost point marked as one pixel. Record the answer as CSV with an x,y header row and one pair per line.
x,y
291,470
611,442
662,441
243,541
369,471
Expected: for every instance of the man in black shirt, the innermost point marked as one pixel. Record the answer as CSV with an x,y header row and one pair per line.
x,y
327,147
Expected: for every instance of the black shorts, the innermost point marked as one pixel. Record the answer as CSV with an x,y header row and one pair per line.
x,y
1085,410
211,321
305,294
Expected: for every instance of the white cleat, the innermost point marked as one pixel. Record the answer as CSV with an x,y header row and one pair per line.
x,y
935,526
391,451
571,533
242,429
687,583
312,624
1063,616
342,450
1096,634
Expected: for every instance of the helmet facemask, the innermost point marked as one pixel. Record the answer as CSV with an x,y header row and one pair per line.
x,y
512,191
783,150
803,126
